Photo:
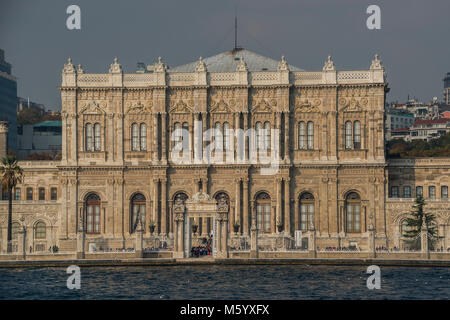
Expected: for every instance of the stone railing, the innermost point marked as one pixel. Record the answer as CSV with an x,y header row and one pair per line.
x,y
221,78
419,162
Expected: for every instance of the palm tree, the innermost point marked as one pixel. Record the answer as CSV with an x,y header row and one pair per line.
x,y
11,175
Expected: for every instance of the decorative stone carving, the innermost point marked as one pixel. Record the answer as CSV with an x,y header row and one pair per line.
x,y
201,65
329,65
69,67
376,63
80,69
283,65
222,204
93,108
160,66
140,108
115,67
242,66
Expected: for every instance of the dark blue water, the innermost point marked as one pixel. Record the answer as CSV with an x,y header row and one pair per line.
x,y
226,282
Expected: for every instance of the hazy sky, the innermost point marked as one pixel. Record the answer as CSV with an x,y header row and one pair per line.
x,y
413,42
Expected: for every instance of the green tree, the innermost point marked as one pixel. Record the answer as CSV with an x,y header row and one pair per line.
x,y
11,175
28,116
415,223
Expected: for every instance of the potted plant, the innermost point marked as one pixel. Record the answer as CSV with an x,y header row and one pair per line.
x,y
194,227
236,226
279,226
152,226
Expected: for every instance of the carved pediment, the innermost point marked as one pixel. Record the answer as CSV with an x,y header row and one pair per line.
x,y
140,108
262,106
180,107
222,106
352,104
93,108
305,105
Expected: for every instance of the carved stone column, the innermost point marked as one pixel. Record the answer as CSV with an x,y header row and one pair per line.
x,y
155,137
163,137
237,206
287,207
286,137
278,182
155,204
80,236
163,207
139,239
253,237
297,214
245,204
21,243
178,252
424,240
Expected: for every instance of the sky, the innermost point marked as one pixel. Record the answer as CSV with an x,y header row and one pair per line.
x,y
413,41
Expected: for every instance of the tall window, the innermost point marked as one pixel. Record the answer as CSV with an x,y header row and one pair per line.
x,y
353,212
97,137
357,135
263,212
419,191
53,194
348,135
17,194
432,192
444,192
134,137
41,194
226,136
259,135
143,137
394,192
407,192
29,193
306,211
137,210
310,135
40,230
93,213
88,137
185,136
302,135
266,135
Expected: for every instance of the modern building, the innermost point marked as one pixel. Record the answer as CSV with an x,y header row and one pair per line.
x,y
429,129
447,89
23,104
8,98
42,137
397,119
307,164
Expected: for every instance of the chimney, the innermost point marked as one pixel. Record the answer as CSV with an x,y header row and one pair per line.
x,y
3,139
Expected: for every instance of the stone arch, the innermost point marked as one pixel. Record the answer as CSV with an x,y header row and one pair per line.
x,y
346,192
178,192
222,191
303,191
130,195
83,196
255,195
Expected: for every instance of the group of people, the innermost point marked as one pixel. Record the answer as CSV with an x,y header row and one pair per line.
x,y
203,250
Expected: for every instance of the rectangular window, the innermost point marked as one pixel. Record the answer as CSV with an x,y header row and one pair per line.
x,y
53,194
41,194
432,192
29,193
394,192
419,191
444,192
407,192
17,194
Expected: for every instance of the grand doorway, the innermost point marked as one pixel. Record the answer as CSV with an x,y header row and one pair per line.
x,y
201,206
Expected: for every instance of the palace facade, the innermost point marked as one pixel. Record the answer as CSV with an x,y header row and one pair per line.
x,y
117,171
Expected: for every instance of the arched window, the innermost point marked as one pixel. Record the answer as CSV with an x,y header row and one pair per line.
x,y
185,135
302,135
405,228
263,212
40,230
15,231
306,211
220,195
88,137
177,132
357,135
29,193
310,135
266,135
134,137
259,135
226,136
92,213
143,137
137,211
97,137
180,195
353,212
348,135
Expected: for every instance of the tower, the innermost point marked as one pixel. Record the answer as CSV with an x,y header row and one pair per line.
x,y
3,139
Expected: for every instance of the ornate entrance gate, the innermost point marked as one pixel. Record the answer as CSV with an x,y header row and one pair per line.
x,y
200,206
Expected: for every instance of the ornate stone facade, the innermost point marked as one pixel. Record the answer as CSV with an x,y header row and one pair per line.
x,y
333,178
